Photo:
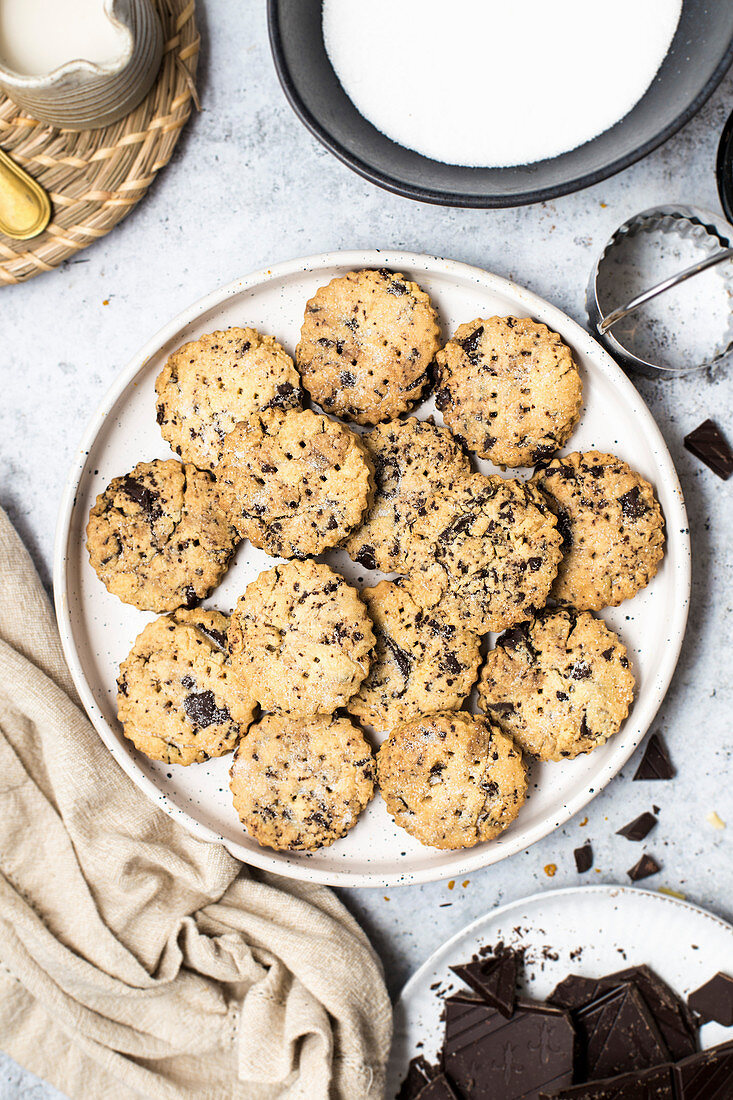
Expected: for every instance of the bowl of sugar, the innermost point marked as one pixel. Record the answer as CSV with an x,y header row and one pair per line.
x,y
487,103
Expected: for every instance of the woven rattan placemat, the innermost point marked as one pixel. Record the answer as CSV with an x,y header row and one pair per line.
x,y
95,177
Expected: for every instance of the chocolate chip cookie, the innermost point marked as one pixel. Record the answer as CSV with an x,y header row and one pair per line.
x,y
488,549
177,699
158,537
211,384
611,525
560,684
301,783
294,482
303,638
367,345
509,388
423,662
451,780
413,460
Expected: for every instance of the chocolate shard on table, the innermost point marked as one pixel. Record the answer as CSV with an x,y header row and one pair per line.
x,y
645,867
655,763
494,979
583,858
705,1076
419,1074
618,1034
645,1084
639,828
714,1000
707,443
487,1056
437,1089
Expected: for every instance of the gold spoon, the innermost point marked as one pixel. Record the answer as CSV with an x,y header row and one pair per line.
x,y
25,208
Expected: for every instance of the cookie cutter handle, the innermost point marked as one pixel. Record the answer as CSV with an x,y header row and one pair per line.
x,y
666,284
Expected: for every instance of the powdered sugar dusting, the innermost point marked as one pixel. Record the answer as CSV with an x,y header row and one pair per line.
x,y
496,82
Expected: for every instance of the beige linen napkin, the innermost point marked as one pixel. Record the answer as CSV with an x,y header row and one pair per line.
x,y
136,960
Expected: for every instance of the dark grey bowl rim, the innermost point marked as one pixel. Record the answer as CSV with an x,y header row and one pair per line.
x,y
457,198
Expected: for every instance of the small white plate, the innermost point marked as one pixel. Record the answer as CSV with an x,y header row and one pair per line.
x,y
97,630
588,930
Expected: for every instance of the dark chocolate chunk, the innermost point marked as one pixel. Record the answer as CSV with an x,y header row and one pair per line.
x,y
646,1084
646,866
437,1089
655,763
708,444
705,1076
285,396
565,529
632,504
419,1074
514,638
403,659
618,1034
495,980
470,343
366,557
714,1000
584,858
216,637
147,499
203,711
640,827
191,600
487,1056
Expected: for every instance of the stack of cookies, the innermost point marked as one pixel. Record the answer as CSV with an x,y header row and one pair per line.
x,y
303,657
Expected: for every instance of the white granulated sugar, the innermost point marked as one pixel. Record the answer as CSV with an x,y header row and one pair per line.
x,y
496,82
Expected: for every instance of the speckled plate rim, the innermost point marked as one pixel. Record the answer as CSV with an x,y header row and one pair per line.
x,y
455,947
466,860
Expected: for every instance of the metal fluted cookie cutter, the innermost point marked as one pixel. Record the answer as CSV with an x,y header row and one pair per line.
x,y
677,335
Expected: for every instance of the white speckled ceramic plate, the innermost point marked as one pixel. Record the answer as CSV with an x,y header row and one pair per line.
x,y
97,630
591,930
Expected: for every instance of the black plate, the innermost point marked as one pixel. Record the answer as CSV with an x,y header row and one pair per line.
x,y
701,52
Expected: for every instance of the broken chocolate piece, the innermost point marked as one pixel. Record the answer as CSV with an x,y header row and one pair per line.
x,y
618,1034
576,991
675,1023
494,980
419,1074
706,442
646,866
584,858
437,1089
655,763
639,828
203,711
217,637
714,1000
705,1076
487,1056
646,1084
